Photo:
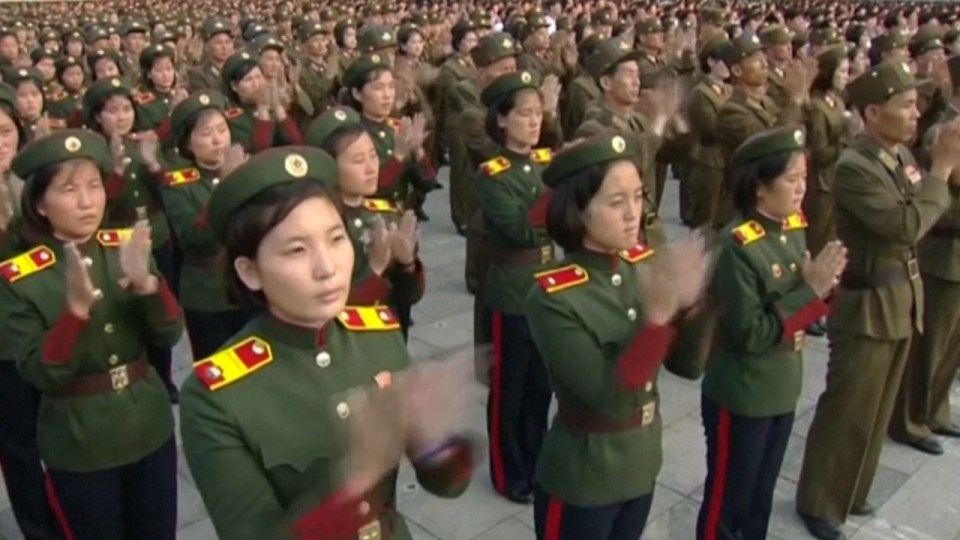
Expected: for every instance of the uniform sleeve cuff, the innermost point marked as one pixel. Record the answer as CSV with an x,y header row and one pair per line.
x,y
640,360
59,342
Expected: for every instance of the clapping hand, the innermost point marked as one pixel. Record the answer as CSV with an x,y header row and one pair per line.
x,y
118,155
403,239
379,248
81,293
135,252
822,274
676,279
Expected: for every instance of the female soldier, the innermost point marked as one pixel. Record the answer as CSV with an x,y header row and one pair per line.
x,y
386,270
404,164
133,187
105,64
28,85
270,471
768,291
345,36
158,83
507,188
62,103
603,334
80,307
258,119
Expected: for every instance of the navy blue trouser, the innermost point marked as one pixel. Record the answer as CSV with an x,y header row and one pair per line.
x,y
209,330
137,501
744,456
556,520
518,405
19,458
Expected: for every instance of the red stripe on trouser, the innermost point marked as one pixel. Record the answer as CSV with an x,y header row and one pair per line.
x,y
58,512
496,455
551,530
719,474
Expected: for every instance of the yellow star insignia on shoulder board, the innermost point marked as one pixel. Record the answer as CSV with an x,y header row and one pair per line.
x,y
748,233
562,278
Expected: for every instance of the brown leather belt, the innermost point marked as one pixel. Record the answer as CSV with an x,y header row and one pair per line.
x,y
523,257
202,261
115,380
886,278
588,422
945,232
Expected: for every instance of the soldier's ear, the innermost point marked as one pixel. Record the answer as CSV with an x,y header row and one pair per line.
x,y
605,83
357,94
249,274
736,71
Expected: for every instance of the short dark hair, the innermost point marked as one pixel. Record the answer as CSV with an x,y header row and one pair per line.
x,y
501,108
567,204
238,76
341,138
34,188
745,179
371,76
17,122
97,107
251,223
181,141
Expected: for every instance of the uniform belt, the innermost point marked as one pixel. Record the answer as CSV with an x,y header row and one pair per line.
x,y
202,261
115,380
523,257
945,232
892,276
587,422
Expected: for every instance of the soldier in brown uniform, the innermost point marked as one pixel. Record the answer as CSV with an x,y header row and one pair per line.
x,y
582,92
779,52
218,46
318,75
536,43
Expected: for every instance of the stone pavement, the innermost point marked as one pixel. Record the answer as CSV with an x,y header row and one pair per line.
x,y
917,495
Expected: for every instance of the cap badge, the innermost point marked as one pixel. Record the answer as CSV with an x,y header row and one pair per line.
x,y
507,43
204,99
340,115
296,166
618,144
798,136
624,45
23,73
525,77
375,58
386,36
245,56
115,83
72,144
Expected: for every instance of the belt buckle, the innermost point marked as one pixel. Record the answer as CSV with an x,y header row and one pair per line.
x,y
913,269
141,212
546,253
649,413
119,378
370,531
799,337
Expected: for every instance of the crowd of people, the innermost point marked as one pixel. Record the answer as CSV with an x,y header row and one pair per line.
x,y
251,175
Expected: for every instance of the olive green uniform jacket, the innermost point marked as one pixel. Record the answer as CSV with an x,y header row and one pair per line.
x,y
581,94
205,76
707,162
398,178
827,136
135,195
152,108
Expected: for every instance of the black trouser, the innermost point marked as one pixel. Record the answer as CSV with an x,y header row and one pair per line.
x,y
744,456
556,520
209,330
517,406
19,458
405,317
161,358
137,501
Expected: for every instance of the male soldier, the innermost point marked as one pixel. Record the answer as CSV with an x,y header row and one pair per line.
x,y
822,39
749,110
710,24
218,44
889,46
317,75
922,409
582,92
650,43
926,49
779,51
536,43
884,205
135,39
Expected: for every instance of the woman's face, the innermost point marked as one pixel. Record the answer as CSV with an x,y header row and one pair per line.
x,y
210,139
358,168
105,68
784,195
612,218
163,74
248,88
522,124
75,48
74,201
46,68
841,76
9,140
72,78
377,96
350,39
29,100
414,46
271,64
719,69
117,116
303,265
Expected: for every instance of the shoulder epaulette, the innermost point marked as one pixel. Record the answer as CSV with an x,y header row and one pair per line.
x,y
59,95
56,123
368,318
495,166
562,278
541,155
395,123
183,176
230,365
142,98
233,112
636,254
31,262
795,221
379,205
748,233
113,237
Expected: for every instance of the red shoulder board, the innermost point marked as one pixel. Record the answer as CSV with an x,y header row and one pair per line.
x,y
541,155
636,254
31,262
366,319
113,237
748,233
233,364
59,95
378,205
559,279
233,113
495,166
183,176
395,123
143,98
795,221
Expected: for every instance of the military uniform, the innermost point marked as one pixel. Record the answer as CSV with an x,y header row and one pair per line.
x,y
246,129
318,76
597,470
884,205
61,103
755,370
535,61
776,36
206,75
455,70
153,105
105,428
264,478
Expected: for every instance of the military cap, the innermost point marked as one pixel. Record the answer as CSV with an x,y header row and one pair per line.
x,y
951,36
14,76
267,42
769,142
327,123
48,35
254,30
650,25
168,38
800,39
7,31
340,28
713,48
240,61
64,63
925,40
880,83
603,18
711,15
953,66
375,38
461,29
8,95
215,25
893,39
133,26
72,35
494,47
597,150
535,22
60,146
505,85
740,48
263,171
829,60
564,23
193,104
308,29
154,52
607,55
774,35
40,53
407,31
356,73
96,33
420,19
587,45
328,14
102,90
95,56
481,20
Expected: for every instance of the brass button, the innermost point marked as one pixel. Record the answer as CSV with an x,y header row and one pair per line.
x,y
648,387
108,328
616,280
215,181
323,359
526,168
793,267
87,261
783,239
632,314
112,360
133,176
358,223
383,134
343,410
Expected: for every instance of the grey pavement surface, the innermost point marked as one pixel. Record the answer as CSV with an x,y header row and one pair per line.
x,y
917,495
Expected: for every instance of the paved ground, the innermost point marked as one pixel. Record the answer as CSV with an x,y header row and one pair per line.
x,y
917,495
